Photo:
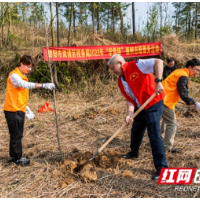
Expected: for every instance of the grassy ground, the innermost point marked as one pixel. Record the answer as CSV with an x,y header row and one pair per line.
x,y
83,124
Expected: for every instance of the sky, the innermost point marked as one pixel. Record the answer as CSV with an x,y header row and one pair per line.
x,y
141,9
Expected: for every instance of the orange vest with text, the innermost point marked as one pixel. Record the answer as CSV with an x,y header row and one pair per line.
x,y
170,87
16,98
142,85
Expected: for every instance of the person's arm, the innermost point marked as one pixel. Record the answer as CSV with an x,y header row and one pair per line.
x,y
182,86
130,111
158,67
148,66
17,81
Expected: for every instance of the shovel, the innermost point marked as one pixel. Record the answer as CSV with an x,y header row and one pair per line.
x,y
79,167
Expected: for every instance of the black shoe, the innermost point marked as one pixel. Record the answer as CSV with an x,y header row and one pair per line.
x,y
22,161
12,160
174,150
129,155
157,174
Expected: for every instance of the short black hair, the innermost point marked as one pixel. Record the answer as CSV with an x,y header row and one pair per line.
x,y
194,62
170,60
27,60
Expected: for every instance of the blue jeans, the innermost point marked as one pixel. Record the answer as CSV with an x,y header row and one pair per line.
x,y
149,119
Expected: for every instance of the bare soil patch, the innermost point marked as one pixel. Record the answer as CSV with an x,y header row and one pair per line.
x,y
108,175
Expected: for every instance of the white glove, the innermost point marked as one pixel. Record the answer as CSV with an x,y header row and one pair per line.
x,y
198,106
29,114
49,86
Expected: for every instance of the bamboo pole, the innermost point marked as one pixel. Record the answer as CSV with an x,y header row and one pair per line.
x,y
54,96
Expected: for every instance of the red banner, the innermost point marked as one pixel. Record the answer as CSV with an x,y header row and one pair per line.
x,y
101,52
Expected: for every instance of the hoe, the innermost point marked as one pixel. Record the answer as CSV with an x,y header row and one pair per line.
x,y
79,167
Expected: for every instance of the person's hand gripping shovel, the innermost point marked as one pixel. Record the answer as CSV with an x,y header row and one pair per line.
x,y
79,167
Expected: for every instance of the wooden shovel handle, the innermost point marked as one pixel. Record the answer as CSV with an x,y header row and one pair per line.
x,y
120,129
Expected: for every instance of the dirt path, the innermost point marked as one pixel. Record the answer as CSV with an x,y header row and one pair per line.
x,y
83,125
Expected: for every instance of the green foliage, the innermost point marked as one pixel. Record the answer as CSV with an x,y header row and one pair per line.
x,y
196,79
41,74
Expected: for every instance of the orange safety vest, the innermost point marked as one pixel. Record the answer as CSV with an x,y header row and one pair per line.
x,y
142,85
170,87
16,98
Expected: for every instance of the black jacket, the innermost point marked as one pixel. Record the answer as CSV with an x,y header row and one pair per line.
x,y
167,71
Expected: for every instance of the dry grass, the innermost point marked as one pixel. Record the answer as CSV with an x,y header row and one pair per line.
x,y
109,175
86,119
181,52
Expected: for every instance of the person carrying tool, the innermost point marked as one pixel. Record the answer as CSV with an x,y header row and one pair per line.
x,y
137,83
15,107
176,88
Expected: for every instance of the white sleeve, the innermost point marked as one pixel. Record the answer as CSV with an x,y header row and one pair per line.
x,y
17,81
146,66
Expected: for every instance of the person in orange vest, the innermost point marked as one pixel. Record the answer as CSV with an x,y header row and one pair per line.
x,y
15,107
137,83
176,88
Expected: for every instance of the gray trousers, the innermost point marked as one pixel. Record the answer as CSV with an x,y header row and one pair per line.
x,y
168,127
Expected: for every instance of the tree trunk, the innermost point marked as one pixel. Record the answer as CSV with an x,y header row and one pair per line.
x,y
52,29
23,13
70,26
195,36
92,17
9,23
70,22
98,7
2,22
74,21
133,19
179,12
108,20
189,23
121,19
160,11
113,18
186,26
57,15
80,15
55,75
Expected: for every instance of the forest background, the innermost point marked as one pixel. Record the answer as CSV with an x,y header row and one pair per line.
x,y
90,107
92,23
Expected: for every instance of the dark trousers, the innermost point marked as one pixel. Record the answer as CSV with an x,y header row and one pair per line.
x,y
149,119
15,121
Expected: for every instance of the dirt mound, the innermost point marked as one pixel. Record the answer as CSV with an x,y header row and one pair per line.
x,y
127,174
107,160
68,166
88,175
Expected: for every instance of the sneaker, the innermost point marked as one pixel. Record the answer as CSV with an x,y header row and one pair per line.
x,y
128,156
22,161
174,150
157,174
12,160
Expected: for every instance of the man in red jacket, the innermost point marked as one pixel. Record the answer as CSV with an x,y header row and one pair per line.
x,y
137,83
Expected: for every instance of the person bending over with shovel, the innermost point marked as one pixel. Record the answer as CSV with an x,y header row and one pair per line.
x,y
176,88
15,107
137,83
